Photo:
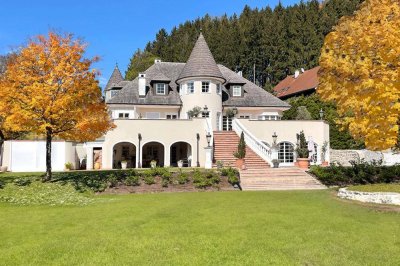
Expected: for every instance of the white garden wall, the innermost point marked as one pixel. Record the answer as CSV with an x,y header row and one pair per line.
x,y
30,156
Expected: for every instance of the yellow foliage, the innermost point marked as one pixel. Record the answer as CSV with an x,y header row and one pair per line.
x,y
49,87
360,63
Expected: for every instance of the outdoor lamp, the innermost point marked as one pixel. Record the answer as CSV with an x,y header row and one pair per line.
x,y
321,113
208,136
205,110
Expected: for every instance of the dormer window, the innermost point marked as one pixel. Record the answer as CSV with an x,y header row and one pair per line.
x,y
205,86
237,91
114,92
160,89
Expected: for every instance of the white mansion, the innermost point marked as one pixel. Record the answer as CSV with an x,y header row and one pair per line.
x,y
180,112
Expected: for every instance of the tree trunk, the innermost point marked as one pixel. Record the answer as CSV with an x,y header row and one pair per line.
x,y
49,136
1,147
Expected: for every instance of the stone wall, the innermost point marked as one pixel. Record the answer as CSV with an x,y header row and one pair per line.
x,y
372,197
345,156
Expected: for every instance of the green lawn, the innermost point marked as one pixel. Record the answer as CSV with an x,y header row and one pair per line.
x,y
377,188
214,228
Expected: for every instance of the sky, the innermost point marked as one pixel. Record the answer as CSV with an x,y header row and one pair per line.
x,y
113,30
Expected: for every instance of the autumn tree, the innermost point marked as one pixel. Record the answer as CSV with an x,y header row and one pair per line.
x,y
360,72
50,90
6,133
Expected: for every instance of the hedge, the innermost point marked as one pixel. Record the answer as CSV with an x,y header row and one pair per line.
x,y
356,174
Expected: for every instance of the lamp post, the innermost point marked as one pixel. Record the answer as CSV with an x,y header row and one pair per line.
x,y
321,114
139,157
208,136
198,139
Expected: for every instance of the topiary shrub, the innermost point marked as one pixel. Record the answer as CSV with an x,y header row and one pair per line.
x,y
302,148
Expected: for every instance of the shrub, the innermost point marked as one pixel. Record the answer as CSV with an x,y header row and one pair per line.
x,y
164,183
112,180
205,179
241,149
21,182
132,180
356,174
302,149
149,179
182,178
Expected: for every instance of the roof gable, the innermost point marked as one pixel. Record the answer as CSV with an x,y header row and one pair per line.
x,y
304,82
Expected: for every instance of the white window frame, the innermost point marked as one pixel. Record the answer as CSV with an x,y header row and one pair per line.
x,y
234,93
114,92
245,116
163,84
153,113
123,115
219,88
208,88
189,91
171,114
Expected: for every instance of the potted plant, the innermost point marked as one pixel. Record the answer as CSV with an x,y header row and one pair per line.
x,y
68,166
302,151
153,163
180,163
240,154
124,164
324,149
275,163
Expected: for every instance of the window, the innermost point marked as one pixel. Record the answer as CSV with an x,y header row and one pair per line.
x,y
205,114
152,115
160,88
123,115
269,117
190,87
219,88
286,152
172,116
237,91
205,86
244,116
114,92
314,154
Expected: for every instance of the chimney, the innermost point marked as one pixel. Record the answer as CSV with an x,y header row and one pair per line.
x,y
302,70
240,73
142,84
296,74
156,61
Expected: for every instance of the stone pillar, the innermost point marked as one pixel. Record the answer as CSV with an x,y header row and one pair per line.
x,y
208,161
89,158
167,156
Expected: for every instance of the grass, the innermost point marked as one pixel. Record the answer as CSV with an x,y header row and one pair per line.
x,y
394,187
215,228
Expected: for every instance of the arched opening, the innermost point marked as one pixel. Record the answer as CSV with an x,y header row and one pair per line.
x,y
124,151
181,151
286,152
153,151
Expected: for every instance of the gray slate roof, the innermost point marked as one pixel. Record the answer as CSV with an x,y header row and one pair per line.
x,y
129,94
253,96
201,62
115,79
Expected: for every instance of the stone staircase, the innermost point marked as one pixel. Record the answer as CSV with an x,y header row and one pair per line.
x,y
226,143
284,178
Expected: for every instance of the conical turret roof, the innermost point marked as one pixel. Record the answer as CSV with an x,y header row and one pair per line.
x,y
201,62
116,77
